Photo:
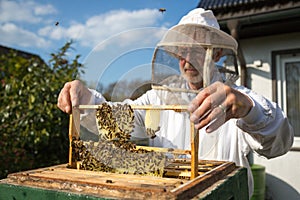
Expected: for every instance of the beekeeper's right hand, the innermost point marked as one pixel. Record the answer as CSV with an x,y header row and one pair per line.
x,y
72,94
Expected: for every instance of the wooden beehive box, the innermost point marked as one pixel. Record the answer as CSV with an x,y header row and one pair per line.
x,y
111,185
182,179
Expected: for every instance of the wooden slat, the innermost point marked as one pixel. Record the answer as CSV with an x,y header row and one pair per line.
x,y
179,173
73,133
70,139
194,151
178,108
158,87
165,150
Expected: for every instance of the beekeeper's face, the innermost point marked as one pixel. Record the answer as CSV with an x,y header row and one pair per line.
x,y
191,62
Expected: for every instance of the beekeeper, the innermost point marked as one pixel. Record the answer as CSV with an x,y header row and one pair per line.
x,y
232,120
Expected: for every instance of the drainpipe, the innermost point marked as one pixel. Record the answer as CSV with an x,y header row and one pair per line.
x,y
233,26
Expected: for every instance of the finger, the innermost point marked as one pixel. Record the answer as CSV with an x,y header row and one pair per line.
x,y
202,111
74,94
208,104
218,117
201,96
204,121
215,113
63,101
215,125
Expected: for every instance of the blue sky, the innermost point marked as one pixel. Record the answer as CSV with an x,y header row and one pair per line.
x,y
115,38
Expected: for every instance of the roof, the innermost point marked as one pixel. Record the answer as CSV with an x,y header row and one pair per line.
x,y
257,17
213,4
225,6
27,55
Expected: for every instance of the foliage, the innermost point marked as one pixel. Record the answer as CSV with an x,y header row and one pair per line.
x,y
33,131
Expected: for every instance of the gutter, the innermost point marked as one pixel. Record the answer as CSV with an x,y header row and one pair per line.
x,y
261,14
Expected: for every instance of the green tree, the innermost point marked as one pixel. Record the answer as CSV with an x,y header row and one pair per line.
x,y
33,131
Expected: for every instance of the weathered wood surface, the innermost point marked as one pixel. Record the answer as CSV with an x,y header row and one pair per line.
x,y
118,185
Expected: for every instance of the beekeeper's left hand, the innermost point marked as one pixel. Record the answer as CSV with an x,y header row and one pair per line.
x,y
216,104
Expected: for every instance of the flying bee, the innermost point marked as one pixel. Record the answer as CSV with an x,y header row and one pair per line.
x,y
162,10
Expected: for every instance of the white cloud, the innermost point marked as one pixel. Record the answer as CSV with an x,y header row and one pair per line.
x,y
16,18
44,9
13,35
24,11
19,18
52,32
100,27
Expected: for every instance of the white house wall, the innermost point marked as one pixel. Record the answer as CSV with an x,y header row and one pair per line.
x,y
283,173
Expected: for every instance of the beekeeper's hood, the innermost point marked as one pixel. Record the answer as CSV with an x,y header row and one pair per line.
x,y
200,32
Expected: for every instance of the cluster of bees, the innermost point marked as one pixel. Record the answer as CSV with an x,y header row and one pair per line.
x,y
115,122
114,152
86,159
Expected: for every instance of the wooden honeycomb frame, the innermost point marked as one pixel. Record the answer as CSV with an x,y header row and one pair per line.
x,y
75,120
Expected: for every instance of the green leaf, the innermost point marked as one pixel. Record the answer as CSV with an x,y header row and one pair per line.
x,y
32,98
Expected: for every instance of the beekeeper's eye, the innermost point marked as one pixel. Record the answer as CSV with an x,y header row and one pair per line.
x,y
191,52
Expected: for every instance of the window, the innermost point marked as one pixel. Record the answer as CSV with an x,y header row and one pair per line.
x,y
287,88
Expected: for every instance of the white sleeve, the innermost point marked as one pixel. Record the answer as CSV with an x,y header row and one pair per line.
x,y
96,98
266,125
87,118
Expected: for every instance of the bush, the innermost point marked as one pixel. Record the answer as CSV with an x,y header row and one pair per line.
x,y
33,131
